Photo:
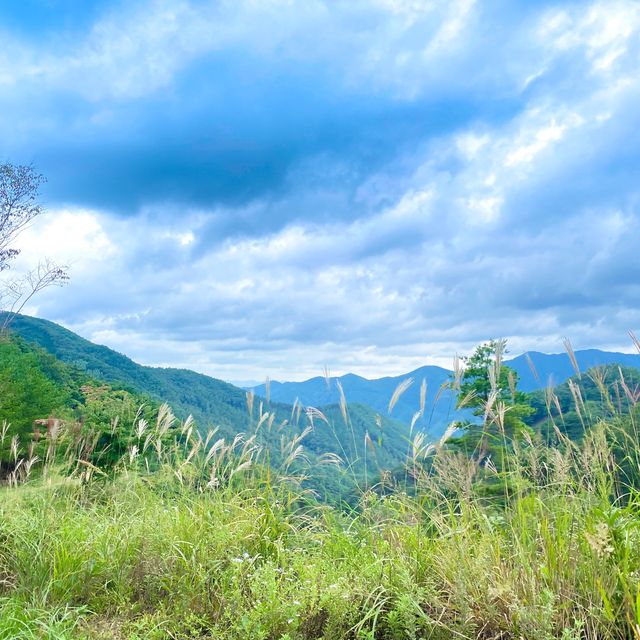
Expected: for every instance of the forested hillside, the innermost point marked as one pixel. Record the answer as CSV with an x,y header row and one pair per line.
x,y
93,386
535,371
210,401
539,370
146,528
598,394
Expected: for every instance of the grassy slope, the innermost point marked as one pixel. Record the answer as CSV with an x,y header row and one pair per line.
x,y
150,557
160,550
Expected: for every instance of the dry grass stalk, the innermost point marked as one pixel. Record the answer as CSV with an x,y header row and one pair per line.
x,y
423,396
633,395
578,401
635,340
458,372
532,368
572,356
450,430
343,403
512,384
326,374
250,399
400,389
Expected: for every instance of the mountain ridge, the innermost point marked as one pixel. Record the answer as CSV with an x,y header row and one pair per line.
x,y
554,369
217,404
205,396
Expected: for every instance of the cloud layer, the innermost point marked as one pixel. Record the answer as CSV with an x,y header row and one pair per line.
x,y
251,188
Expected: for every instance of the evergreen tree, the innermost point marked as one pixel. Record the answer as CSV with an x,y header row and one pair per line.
x,y
489,388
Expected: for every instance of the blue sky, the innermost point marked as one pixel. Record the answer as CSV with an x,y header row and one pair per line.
x,y
256,187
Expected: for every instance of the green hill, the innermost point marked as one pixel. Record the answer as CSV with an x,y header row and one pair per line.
x,y
440,401
599,394
367,443
210,401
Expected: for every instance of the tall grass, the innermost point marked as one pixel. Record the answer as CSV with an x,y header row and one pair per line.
x,y
191,536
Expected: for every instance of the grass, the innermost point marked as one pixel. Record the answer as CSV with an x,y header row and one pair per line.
x,y
148,556
192,538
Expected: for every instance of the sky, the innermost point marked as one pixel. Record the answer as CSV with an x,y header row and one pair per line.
x,y
268,187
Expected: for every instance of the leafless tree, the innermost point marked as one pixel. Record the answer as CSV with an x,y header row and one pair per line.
x,y
19,193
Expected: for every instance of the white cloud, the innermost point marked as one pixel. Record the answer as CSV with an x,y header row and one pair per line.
x,y
519,225
142,49
67,236
605,32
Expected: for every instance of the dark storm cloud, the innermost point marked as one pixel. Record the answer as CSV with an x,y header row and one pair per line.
x,y
226,123
211,144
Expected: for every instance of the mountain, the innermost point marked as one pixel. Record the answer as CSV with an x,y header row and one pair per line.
x,y
214,402
605,392
382,442
210,401
549,368
556,368
440,402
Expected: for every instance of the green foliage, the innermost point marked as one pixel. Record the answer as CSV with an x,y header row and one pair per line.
x,y
489,388
598,394
108,418
144,527
148,555
22,618
367,445
33,385
211,402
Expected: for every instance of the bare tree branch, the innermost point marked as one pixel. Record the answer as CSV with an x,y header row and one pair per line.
x,y
19,192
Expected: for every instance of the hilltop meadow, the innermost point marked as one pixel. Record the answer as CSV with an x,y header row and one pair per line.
x,y
120,521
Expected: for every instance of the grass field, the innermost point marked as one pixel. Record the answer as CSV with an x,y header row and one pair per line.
x,y
202,540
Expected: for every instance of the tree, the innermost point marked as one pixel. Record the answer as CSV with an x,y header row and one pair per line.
x,y
19,194
33,385
489,388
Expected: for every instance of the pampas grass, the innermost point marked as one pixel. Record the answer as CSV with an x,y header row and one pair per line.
x,y
195,536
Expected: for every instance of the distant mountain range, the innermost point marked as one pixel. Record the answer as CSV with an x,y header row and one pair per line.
x,y
214,402
535,371
364,434
440,401
556,368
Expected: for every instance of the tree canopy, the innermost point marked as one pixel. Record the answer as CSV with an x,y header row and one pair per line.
x,y
489,388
